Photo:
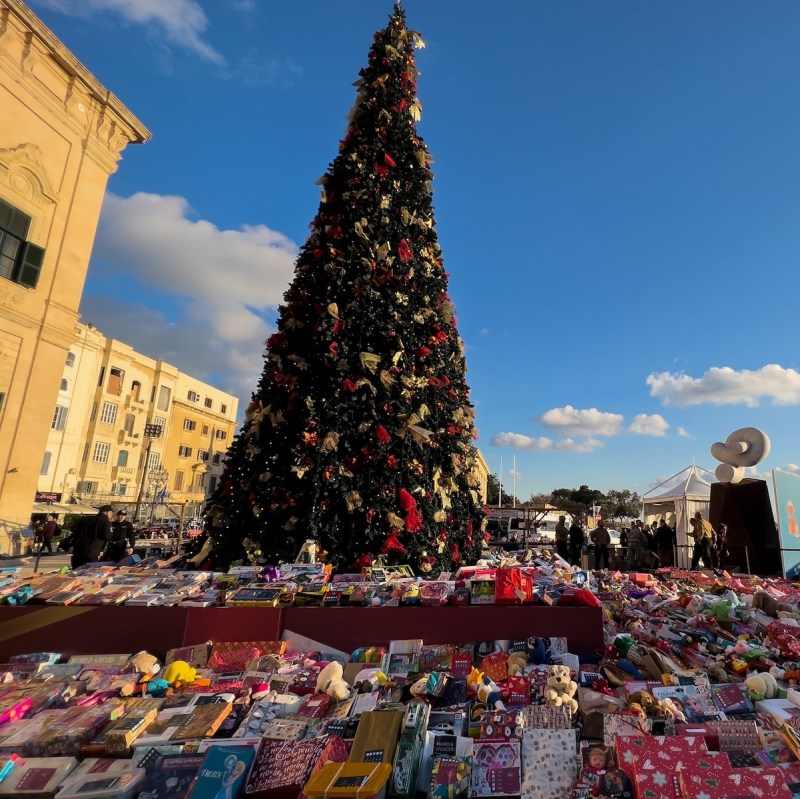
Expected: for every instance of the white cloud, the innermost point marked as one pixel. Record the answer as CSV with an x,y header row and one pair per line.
x,y
726,386
793,468
644,424
571,421
181,22
683,432
226,281
484,331
519,441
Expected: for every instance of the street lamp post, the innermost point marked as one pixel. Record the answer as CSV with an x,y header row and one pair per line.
x,y
151,431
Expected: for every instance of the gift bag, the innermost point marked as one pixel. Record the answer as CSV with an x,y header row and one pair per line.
x,y
495,666
377,736
627,724
549,763
512,587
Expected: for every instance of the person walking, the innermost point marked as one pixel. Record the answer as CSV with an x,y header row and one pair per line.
x,y
721,552
562,537
49,531
123,538
601,539
623,545
92,537
703,534
665,539
576,540
637,545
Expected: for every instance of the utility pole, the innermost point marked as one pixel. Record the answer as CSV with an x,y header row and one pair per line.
x,y
151,431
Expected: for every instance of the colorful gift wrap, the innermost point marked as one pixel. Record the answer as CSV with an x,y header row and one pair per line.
x,y
354,780
234,656
549,763
768,782
282,768
451,778
496,768
286,729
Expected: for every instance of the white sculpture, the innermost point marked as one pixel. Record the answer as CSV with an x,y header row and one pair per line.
x,y
747,446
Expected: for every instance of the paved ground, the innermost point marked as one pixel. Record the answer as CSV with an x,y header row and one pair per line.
x,y
47,563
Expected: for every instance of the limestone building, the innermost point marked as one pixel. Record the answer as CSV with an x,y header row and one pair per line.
x,y
98,448
61,135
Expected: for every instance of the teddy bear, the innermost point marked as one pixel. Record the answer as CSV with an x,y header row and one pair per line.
x,y
561,688
517,661
330,682
761,685
652,707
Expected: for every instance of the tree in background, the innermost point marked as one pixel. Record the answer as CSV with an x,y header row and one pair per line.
x,y
360,432
613,505
493,494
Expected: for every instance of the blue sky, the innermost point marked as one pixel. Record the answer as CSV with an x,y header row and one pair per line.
x,y
617,194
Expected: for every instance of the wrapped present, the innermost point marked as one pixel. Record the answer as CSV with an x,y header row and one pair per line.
x,y
377,736
439,745
282,768
262,713
451,778
505,724
624,724
547,717
495,666
513,587
37,776
549,763
234,656
519,690
496,768
314,707
286,729
354,780
768,781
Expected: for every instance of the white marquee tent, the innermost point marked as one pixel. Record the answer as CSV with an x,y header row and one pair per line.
x,y
677,499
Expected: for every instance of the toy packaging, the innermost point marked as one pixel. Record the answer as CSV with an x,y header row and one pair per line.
x,y
171,776
115,786
37,777
349,780
451,778
222,772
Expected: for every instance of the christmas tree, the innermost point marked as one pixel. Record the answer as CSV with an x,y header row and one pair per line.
x,y
360,433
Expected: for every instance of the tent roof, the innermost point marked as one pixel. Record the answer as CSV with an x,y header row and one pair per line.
x,y
57,507
686,483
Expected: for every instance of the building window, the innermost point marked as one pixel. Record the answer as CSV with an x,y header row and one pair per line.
x,y
217,458
122,488
122,457
59,418
2,400
130,422
223,408
184,452
102,375
202,455
85,452
64,384
109,414
93,414
136,390
212,483
189,424
193,396
86,487
164,397
101,450
205,429
46,463
221,435
70,359
115,378
208,402
161,422
153,461
20,261
178,481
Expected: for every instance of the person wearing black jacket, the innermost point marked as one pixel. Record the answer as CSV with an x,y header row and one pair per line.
x,y
123,538
576,540
92,536
665,540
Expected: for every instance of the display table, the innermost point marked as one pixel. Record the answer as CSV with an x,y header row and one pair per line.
x,y
93,629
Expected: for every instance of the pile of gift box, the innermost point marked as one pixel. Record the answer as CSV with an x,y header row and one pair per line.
x,y
543,580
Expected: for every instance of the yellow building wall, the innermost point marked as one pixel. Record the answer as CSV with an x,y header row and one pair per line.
x,y
61,135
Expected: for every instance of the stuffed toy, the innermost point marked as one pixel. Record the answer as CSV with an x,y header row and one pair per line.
x,y
369,680
489,693
761,686
517,661
144,663
561,688
179,673
330,682
653,708
677,711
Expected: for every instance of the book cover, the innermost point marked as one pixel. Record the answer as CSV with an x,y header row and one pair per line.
x,y
37,775
203,721
222,773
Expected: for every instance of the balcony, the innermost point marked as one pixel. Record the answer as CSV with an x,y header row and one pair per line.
x,y
129,439
133,404
124,471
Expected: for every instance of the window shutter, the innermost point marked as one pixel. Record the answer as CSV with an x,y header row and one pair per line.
x,y
29,266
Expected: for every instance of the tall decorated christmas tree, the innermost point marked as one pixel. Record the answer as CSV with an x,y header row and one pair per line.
x,y
360,433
